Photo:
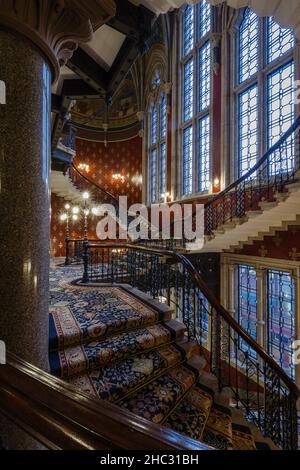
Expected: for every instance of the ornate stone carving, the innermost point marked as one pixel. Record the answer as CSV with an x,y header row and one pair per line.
x,y
56,27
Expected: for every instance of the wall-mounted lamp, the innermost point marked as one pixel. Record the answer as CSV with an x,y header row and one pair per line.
x,y
166,197
216,182
84,166
75,217
118,177
86,196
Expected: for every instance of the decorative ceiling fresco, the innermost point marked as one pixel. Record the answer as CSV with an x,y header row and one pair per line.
x,y
95,113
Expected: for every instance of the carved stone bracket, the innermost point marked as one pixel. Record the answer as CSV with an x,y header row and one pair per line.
x,y
56,27
216,42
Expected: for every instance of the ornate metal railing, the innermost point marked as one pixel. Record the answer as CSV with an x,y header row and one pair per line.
x,y
259,386
74,250
271,174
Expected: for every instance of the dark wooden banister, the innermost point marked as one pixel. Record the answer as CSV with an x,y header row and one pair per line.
x,y
95,184
260,162
61,418
214,303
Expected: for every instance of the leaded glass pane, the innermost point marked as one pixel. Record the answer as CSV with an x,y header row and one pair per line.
x,y
154,125
188,160
247,303
153,170
280,40
281,319
204,18
204,154
163,155
204,76
281,116
248,46
247,129
280,102
163,118
188,30
188,92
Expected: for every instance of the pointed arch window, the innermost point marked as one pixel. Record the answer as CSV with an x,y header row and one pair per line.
x,y
196,75
264,88
157,149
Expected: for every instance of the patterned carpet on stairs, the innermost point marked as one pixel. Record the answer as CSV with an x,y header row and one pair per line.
x,y
112,344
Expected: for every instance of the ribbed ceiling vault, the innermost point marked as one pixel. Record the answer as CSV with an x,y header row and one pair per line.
x,y
287,13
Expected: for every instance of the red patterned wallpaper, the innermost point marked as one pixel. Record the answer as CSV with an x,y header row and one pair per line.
x,y
282,245
124,158
119,157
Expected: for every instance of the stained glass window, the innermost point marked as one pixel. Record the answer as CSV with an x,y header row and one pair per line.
x,y
280,40
188,94
204,154
196,75
247,302
248,46
204,18
157,149
188,160
153,175
204,76
248,129
163,117
154,123
163,163
188,29
281,319
266,64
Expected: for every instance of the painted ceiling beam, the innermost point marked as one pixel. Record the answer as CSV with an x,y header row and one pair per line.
x,y
89,70
77,88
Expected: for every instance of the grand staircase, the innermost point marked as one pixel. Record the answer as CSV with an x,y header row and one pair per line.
x,y
117,344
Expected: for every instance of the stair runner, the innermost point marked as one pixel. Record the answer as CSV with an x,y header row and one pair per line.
x,y
114,343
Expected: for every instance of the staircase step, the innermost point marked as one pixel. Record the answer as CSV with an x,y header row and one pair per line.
x,y
210,381
156,400
98,312
261,442
191,414
114,382
242,438
241,432
187,346
74,360
218,430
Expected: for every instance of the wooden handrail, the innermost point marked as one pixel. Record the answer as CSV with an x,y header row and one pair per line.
x,y
198,281
260,162
61,418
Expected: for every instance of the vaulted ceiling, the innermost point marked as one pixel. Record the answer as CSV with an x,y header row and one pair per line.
x,y
98,68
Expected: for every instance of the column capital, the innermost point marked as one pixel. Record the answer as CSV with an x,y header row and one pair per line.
x,y
56,27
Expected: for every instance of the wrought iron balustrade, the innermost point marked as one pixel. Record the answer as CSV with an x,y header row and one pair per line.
x,y
74,251
270,175
259,386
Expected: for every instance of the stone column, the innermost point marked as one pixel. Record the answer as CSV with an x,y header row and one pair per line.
x,y
36,37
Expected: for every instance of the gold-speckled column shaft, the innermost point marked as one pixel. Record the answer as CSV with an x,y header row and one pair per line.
x,y
24,199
